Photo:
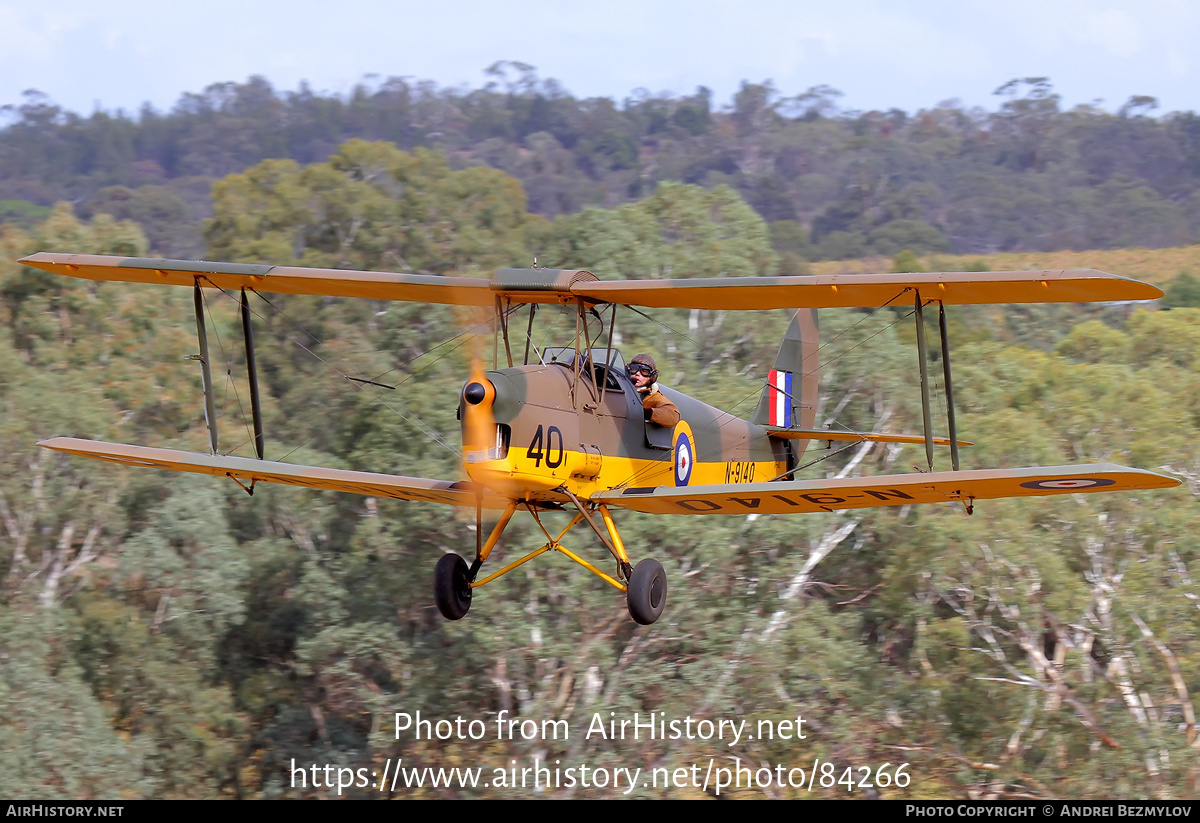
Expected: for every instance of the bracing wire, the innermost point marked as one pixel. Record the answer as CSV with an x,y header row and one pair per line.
x,y
729,415
402,412
463,336
229,381
671,329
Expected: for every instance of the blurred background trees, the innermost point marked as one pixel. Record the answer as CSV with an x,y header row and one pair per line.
x,y
1027,176
169,636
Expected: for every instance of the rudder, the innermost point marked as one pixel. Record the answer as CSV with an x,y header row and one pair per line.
x,y
789,400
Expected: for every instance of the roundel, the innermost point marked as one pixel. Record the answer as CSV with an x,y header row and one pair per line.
x,y
685,456
1069,483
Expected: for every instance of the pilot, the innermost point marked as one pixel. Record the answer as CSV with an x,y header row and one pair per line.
x,y
656,407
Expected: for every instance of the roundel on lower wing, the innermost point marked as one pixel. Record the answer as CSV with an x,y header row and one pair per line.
x,y
684,457
1069,483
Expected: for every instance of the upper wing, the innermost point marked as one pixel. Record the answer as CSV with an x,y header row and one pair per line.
x,y
852,290
247,470
804,496
558,285
423,288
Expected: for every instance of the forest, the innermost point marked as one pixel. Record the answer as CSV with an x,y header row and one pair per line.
x,y
835,184
168,636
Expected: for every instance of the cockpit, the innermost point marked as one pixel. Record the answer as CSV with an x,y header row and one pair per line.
x,y
603,367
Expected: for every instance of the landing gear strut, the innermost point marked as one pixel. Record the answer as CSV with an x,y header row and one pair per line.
x,y
645,586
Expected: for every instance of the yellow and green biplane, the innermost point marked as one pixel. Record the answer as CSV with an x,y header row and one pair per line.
x,y
563,428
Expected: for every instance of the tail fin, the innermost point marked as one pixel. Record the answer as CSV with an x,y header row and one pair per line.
x,y
789,400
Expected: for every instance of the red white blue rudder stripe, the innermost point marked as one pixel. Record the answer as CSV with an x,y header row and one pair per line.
x,y
779,396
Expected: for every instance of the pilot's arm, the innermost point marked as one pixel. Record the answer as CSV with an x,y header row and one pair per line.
x,y
658,409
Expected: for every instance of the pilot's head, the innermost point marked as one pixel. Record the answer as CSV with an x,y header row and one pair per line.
x,y
641,370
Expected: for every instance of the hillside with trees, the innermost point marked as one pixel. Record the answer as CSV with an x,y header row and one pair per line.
x,y
168,636
833,183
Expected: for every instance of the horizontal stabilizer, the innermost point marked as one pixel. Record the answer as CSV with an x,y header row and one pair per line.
x,y
873,437
265,471
806,496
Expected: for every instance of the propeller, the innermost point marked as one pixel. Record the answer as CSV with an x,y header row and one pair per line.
x,y
479,429
478,393
480,434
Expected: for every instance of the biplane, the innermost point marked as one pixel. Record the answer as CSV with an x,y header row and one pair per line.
x,y
563,428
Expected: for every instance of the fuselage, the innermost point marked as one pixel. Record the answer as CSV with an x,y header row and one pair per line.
x,y
558,428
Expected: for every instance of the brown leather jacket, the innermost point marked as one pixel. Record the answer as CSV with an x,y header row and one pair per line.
x,y
662,411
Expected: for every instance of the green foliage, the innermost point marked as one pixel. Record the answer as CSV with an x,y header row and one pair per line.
x,y
906,261
789,237
161,213
174,637
370,206
52,717
1166,337
791,265
22,213
1095,342
1183,292
1027,175
903,235
842,245
681,231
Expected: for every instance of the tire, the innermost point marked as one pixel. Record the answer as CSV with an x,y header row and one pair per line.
x,y
452,587
647,593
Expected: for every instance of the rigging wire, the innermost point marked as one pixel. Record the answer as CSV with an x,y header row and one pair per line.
x,y
402,412
671,329
546,330
729,415
667,456
758,392
842,333
229,381
465,336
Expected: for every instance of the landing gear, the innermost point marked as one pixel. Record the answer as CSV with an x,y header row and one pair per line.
x,y
647,592
645,585
452,586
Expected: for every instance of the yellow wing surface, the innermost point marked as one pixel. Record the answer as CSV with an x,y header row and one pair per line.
x,y
796,497
422,288
247,470
553,285
853,290
806,496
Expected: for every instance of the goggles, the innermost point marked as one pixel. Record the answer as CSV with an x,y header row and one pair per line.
x,y
639,368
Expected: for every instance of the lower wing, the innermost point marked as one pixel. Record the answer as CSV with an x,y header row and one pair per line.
x,y
246,470
804,496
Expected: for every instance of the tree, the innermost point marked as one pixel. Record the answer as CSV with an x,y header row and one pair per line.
x,y
1184,291
370,206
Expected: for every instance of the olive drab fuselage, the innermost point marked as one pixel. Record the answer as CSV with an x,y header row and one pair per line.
x,y
556,431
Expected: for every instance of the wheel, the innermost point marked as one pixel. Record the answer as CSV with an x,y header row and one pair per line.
x,y
647,593
452,586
